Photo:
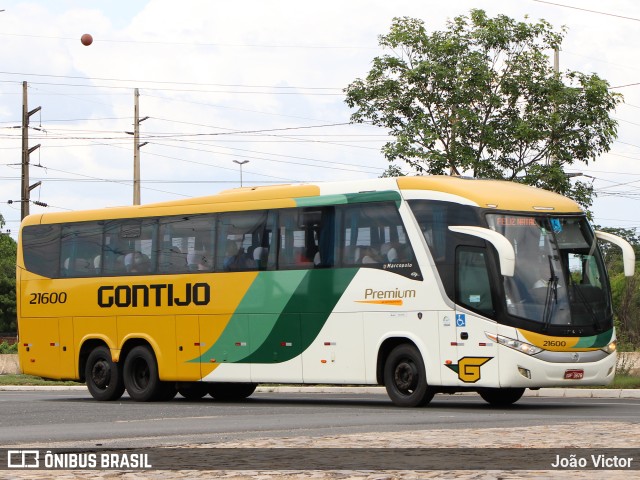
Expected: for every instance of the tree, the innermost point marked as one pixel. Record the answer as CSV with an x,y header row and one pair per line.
x,y
8,311
612,254
625,291
482,97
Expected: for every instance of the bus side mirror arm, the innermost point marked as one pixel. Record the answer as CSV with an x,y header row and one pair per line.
x,y
628,255
506,254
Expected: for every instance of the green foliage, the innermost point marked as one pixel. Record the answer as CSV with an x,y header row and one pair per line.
x,y
6,348
626,381
626,307
625,291
613,254
392,171
482,97
8,311
32,380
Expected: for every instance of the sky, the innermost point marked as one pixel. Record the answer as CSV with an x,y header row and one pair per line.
x,y
249,81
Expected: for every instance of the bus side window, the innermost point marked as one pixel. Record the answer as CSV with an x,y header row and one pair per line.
x,y
81,243
186,243
239,235
473,287
41,249
374,236
129,247
306,238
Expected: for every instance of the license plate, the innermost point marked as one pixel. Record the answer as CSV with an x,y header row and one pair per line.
x,y
574,374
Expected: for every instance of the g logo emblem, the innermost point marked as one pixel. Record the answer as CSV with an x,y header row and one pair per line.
x,y
468,368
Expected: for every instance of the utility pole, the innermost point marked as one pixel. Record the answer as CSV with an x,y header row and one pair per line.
x,y
26,151
136,146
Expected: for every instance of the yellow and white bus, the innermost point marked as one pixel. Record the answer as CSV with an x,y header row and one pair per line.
x,y
425,285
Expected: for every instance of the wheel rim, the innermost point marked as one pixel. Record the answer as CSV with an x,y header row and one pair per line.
x,y
406,376
101,374
140,374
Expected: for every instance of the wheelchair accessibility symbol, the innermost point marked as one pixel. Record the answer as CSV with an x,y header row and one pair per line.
x,y
461,321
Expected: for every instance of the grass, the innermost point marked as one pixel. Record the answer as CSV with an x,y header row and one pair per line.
x,y
13,379
5,348
625,381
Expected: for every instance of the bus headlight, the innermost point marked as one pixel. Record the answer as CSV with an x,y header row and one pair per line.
x,y
515,344
611,347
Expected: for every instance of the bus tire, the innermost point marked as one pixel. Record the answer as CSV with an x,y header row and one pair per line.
x,y
501,397
405,378
193,390
103,375
141,375
231,391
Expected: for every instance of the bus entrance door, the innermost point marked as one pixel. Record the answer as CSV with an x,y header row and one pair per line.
x,y
448,348
476,363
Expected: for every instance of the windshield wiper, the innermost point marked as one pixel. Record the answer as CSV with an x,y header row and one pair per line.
x,y
576,288
552,295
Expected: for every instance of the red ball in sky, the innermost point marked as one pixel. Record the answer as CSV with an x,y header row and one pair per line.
x,y
86,39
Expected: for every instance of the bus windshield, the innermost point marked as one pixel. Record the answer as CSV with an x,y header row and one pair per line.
x,y
559,277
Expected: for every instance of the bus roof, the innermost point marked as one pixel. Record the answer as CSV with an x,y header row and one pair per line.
x,y
500,194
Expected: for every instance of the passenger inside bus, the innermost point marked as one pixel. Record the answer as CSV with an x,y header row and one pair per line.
x,y
176,261
199,260
260,256
137,262
231,256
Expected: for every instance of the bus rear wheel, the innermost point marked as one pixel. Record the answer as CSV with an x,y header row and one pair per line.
x,y
231,391
141,375
405,378
501,397
103,376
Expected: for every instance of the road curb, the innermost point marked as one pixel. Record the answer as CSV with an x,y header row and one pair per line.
x,y
543,392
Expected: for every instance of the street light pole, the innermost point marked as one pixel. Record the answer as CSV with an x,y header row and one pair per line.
x,y
241,163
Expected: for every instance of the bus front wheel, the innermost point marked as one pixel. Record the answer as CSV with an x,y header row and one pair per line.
x,y
405,378
104,379
501,397
141,375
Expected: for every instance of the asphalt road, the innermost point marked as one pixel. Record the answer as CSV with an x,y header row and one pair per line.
x,y
74,419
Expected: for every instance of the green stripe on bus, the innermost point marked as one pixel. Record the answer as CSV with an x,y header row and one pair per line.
x,y
266,327
341,199
595,341
304,316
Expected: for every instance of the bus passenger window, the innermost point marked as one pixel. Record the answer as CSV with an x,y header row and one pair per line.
x,y
186,244
129,247
41,249
374,236
80,244
473,288
239,236
305,238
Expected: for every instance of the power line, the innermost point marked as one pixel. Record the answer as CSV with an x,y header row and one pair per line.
x,y
587,10
627,85
293,90
167,82
125,180
331,165
191,90
106,180
195,44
